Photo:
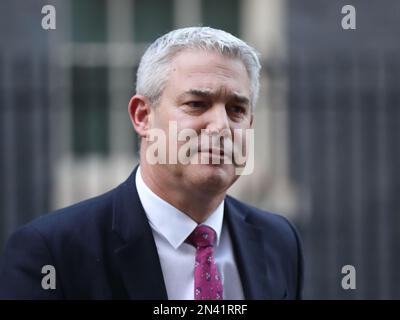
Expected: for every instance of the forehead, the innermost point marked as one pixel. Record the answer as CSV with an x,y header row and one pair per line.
x,y
208,70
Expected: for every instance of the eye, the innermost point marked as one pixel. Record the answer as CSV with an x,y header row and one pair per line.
x,y
238,110
196,104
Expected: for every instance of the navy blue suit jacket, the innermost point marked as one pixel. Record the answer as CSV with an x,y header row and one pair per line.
x,y
103,248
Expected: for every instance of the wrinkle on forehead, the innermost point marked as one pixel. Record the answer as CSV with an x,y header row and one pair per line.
x,y
209,71
216,62
220,92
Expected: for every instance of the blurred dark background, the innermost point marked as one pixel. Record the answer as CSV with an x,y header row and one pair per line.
x,y
327,123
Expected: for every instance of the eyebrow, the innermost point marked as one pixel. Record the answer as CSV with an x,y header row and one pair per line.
x,y
209,94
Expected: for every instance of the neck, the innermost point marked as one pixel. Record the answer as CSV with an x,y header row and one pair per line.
x,y
197,205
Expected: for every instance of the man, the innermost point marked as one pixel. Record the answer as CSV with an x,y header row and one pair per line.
x,y
169,231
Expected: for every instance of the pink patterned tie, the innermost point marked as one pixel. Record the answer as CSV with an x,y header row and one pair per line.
x,y
207,281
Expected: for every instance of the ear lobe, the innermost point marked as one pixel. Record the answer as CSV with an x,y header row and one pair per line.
x,y
139,112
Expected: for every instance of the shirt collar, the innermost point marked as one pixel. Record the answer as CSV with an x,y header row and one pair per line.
x,y
174,225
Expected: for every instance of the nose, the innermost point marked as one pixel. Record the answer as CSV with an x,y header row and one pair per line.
x,y
218,120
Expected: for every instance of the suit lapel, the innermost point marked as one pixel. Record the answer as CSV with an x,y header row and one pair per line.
x,y
248,243
137,259
136,253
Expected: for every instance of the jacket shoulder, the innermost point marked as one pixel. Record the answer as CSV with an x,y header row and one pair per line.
x,y
79,217
282,239
263,218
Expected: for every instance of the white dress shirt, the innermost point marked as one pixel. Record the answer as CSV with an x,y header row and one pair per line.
x,y
170,228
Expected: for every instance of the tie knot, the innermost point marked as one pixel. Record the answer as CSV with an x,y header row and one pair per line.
x,y
202,236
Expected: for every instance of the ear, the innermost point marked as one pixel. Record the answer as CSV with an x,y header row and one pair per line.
x,y
139,111
251,119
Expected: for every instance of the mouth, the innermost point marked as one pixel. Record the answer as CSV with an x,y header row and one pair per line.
x,y
213,151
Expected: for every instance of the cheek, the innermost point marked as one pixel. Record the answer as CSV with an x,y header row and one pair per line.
x,y
161,118
188,122
242,137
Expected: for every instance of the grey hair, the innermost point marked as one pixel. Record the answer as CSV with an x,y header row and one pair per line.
x,y
153,71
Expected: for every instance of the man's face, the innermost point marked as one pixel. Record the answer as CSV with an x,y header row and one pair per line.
x,y
208,93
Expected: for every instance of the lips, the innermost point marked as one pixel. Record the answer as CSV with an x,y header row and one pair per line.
x,y
213,151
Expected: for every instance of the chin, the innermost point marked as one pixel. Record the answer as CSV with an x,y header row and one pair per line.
x,y
212,177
